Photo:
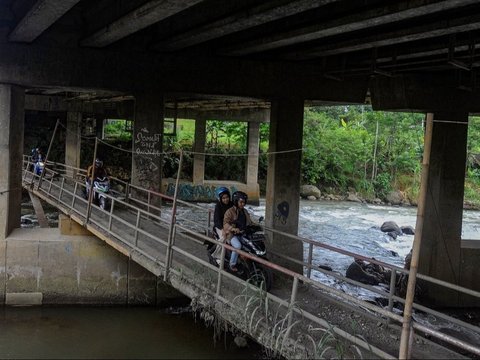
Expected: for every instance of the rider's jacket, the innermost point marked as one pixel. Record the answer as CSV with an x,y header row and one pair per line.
x,y
230,221
100,172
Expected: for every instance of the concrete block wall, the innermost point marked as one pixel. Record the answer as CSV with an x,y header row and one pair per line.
x,y
65,269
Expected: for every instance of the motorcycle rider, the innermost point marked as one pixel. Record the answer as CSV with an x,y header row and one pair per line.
x,y
235,221
37,158
93,172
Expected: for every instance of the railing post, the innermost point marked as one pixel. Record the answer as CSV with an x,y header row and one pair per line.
x,y
220,269
127,192
74,194
110,215
137,224
393,281
61,189
309,260
90,192
172,223
48,153
293,298
148,201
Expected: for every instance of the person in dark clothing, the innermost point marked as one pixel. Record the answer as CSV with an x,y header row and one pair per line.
x,y
224,203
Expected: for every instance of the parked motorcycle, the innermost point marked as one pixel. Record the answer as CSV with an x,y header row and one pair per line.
x,y
253,242
101,187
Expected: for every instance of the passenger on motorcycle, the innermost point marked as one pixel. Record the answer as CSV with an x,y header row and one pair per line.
x,y
94,172
235,222
224,203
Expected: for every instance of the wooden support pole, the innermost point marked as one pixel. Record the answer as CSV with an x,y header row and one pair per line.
x,y
168,258
407,312
90,192
48,153
37,206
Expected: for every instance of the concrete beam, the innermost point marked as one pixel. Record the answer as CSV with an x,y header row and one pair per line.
x,y
435,29
250,115
358,21
265,12
39,18
144,16
423,94
37,66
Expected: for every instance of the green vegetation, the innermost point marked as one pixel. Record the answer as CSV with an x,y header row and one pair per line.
x,y
355,147
345,148
117,129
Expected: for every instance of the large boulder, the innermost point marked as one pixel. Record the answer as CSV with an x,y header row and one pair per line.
x,y
353,197
310,190
395,197
408,230
391,227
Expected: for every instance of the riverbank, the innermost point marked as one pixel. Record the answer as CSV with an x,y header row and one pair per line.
x,y
393,198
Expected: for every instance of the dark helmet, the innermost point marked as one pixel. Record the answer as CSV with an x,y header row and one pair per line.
x,y
98,163
237,195
221,191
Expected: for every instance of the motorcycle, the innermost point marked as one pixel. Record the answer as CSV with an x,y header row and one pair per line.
x,y
38,167
101,187
253,242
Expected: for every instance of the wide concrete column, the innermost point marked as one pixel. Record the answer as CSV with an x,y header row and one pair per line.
x,y
253,144
283,178
73,141
199,147
148,141
12,115
441,240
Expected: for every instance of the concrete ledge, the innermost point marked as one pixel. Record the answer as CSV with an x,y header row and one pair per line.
x,y
69,227
24,299
470,244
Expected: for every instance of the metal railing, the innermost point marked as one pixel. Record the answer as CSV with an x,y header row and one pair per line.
x,y
136,217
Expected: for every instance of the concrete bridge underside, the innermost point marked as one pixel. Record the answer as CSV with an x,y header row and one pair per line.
x,y
411,55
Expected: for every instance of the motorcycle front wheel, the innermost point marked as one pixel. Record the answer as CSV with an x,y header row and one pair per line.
x,y
103,203
261,277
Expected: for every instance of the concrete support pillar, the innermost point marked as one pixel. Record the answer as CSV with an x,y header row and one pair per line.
x,y
253,144
12,102
199,147
99,123
73,141
148,141
441,240
283,178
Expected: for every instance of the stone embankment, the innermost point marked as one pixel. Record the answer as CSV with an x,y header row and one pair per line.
x,y
394,198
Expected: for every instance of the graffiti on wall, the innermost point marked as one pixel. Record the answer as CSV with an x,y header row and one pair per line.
x,y
189,192
147,158
282,212
147,144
